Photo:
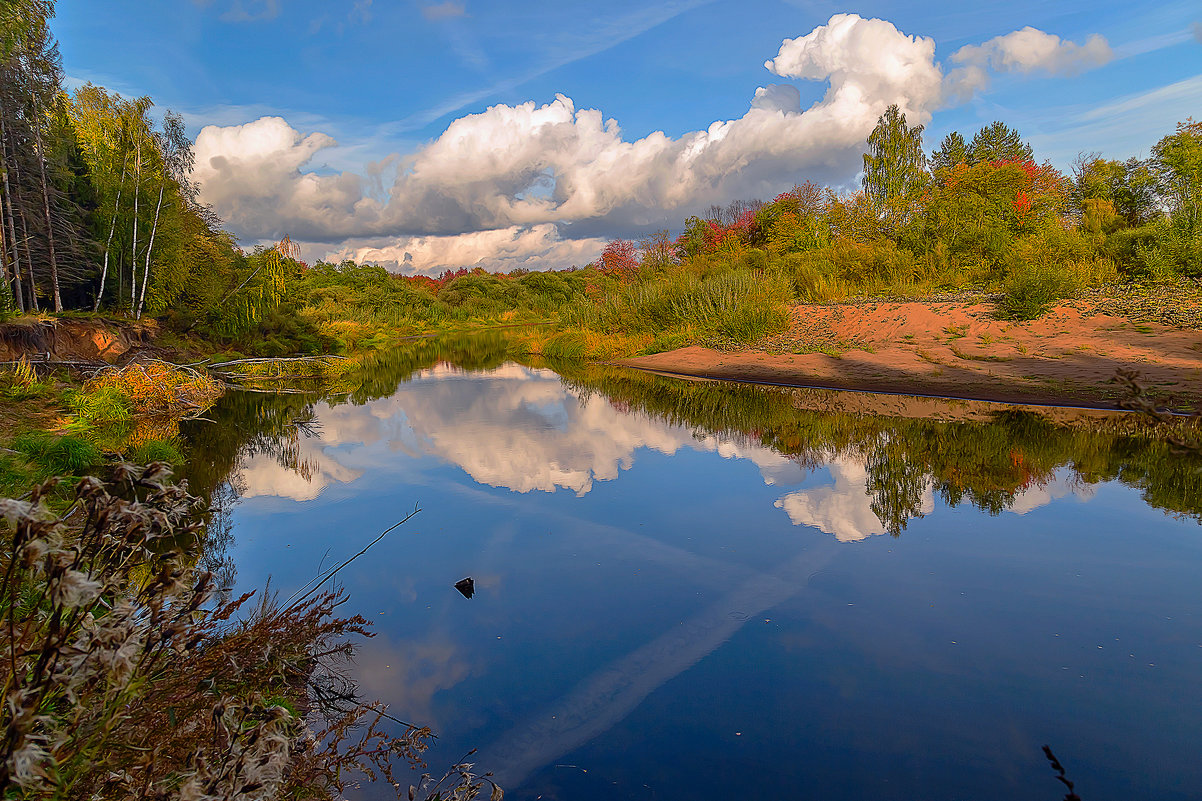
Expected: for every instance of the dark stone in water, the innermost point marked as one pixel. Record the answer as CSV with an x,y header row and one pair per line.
x,y
466,586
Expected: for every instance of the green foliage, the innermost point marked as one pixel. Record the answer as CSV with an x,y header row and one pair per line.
x,y
156,451
894,167
566,345
1032,288
735,305
1177,164
953,150
998,142
1129,187
102,405
55,455
15,475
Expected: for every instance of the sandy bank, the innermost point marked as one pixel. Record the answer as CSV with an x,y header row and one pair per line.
x,y
958,350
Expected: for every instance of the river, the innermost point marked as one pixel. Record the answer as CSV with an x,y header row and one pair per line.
x,y
686,590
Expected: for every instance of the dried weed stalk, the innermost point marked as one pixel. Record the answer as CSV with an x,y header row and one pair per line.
x,y
124,679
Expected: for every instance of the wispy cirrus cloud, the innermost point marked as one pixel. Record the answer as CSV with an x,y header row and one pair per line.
x,y
447,10
593,38
251,11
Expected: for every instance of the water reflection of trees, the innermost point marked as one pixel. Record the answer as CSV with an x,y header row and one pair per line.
x,y
247,424
987,464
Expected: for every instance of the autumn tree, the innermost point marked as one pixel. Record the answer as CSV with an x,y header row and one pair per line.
x,y
620,258
894,168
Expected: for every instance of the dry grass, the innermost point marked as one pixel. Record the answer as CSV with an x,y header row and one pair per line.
x,y
123,677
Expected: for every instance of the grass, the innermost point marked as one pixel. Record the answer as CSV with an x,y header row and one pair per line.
x,y
737,305
955,332
156,450
58,455
979,357
1031,289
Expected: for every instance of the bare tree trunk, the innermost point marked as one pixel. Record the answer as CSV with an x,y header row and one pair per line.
x,y
26,238
149,248
7,298
109,242
58,300
133,248
12,228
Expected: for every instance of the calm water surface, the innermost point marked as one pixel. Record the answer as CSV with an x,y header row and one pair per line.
x,y
686,591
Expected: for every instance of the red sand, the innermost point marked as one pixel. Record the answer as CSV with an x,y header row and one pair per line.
x,y
958,350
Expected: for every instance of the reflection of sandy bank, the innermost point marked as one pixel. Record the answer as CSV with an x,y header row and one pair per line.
x,y
513,427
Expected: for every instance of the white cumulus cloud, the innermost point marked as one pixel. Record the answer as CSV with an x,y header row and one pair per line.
x,y
251,175
544,184
1026,50
534,247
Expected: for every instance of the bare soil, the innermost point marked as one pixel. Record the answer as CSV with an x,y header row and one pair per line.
x,y
68,339
959,350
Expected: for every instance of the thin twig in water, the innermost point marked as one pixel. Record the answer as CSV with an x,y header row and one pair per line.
x,y
321,579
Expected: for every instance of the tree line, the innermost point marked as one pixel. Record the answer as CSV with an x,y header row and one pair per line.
x,y
977,212
98,212
97,207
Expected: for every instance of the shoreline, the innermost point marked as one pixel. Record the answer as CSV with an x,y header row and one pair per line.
x,y
957,351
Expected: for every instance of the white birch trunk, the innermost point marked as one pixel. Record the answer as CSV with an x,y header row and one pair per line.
x,y
149,247
104,272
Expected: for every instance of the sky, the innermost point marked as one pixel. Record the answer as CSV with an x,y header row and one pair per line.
x,y
425,136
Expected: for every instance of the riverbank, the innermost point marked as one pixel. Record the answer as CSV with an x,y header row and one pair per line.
x,y
1068,357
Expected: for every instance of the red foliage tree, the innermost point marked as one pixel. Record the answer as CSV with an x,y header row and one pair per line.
x,y
620,258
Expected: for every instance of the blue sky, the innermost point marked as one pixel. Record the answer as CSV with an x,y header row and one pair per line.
x,y
329,120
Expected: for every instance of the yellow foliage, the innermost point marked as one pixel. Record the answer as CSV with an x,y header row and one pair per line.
x,y
157,388
153,429
23,374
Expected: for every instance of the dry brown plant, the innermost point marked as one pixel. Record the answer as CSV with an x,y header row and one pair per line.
x,y
124,678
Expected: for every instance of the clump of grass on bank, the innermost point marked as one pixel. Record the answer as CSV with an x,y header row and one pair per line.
x,y
20,381
672,310
1034,286
57,455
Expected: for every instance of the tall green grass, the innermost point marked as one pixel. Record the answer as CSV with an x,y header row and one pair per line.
x,y
737,305
66,455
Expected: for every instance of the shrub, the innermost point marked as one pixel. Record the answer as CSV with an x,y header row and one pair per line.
x,y
127,679
158,388
1034,287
